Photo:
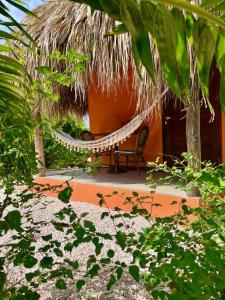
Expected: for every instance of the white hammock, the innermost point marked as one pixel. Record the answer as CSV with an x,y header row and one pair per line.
x,y
105,143
109,141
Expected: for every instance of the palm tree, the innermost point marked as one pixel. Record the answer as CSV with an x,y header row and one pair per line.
x,y
15,120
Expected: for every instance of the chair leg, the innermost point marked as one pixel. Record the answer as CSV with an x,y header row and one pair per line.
x,y
138,168
110,158
146,168
116,163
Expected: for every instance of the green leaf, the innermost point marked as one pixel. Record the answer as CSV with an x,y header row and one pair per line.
x,y
111,282
182,56
47,237
73,264
161,24
112,8
13,219
44,70
131,18
222,88
65,195
58,252
46,262
93,271
121,239
110,253
79,285
134,272
89,225
205,53
29,262
60,284
2,281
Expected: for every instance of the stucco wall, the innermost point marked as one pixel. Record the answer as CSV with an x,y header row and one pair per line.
x,y
109,112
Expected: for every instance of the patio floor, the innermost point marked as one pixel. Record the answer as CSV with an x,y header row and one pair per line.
x,y
86,188
128,180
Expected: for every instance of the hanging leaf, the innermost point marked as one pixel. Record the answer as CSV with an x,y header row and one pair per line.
x,y
162,29
220,50
182,56
205,53
112,8
222,87
131,17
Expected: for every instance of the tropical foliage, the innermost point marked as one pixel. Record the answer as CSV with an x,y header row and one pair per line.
x,y
173,32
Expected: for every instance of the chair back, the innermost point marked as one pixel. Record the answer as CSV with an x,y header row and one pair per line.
x,y
141,139
87,136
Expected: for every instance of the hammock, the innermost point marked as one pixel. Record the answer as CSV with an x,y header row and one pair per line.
x,y
107,142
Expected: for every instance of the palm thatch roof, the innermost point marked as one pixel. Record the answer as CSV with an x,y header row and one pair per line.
x,y
62,25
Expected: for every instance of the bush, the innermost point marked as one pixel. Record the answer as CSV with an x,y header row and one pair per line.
x,y
57,156
174,257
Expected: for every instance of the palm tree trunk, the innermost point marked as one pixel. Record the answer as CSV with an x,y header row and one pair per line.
x,y
39,146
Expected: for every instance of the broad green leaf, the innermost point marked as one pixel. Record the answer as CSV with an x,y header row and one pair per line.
x,y
134,272
205,53
112,8
131,18
162,29
220,50
222,87
182,56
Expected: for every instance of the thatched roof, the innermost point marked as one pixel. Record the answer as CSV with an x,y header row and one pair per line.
x,y
63,25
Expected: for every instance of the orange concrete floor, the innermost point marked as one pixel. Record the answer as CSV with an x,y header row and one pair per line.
x,y
87,192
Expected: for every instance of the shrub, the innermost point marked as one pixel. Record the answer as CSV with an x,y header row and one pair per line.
x,y
57,156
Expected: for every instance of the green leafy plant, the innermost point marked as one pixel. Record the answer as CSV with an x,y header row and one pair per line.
x,y
57,156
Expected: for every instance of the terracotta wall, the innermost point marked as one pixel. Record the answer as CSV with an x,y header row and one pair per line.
x,y
109,112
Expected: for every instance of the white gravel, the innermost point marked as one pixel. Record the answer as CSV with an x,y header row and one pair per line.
x,y
96,287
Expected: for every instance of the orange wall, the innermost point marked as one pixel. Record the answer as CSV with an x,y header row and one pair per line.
x,y
110,111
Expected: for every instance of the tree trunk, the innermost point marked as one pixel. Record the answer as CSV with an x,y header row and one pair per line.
x,y
39,146
193,130
193,133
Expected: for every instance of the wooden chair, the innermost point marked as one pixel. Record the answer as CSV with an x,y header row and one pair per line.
x,y
137,153
88,136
